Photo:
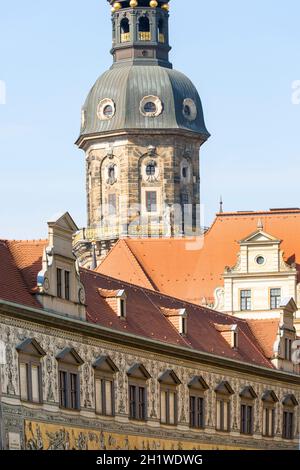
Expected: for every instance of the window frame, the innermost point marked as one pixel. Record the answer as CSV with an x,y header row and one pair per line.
x,y
153,207
137,406
223,400
246,299
288,426
246,418
168,390
59,283
69,371
198,421
30,361
277,298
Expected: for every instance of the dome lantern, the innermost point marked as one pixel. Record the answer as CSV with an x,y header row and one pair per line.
x,y
141,32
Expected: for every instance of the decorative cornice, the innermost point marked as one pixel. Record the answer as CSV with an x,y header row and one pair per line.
x,y
105,334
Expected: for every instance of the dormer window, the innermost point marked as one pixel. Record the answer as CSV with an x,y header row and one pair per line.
x,y
144,29
63,290
117,301
178,318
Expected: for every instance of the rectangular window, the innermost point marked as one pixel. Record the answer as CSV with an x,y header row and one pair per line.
x,y
104,397
67,285
246,419
168,407
30,382
245,300
151,201
196,412
288,425
59,282
223,415
137,402
269,422
112,204
275,298
68,390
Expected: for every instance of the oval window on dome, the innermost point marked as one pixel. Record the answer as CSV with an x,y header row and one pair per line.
x,y
189,109
151,106
106,109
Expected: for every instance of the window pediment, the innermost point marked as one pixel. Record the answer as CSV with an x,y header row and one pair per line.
x,y
169,378
138,371
270,397
198,383
290,400
31,347
105,364
224,388
248,393
70,356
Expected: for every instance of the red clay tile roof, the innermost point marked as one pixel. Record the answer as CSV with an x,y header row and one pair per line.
x,y
20,263
16,274
179,268
265,331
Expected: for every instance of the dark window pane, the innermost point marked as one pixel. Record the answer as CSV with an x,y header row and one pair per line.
x,y
150,107
151,201
59,282
63,389
67,285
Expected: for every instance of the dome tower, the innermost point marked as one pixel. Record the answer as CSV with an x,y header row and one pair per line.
x,y
142,127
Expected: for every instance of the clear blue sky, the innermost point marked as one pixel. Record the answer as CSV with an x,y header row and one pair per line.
x,y
242,56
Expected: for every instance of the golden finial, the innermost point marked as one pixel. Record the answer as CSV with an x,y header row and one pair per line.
x,y
166,6
133,3
153,4
117,6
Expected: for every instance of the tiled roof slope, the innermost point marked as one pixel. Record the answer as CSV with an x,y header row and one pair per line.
x,y
192,271
145,318
20,263
16,272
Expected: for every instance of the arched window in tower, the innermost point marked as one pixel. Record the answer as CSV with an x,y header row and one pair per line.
x,y
125,30
144,29
161,31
